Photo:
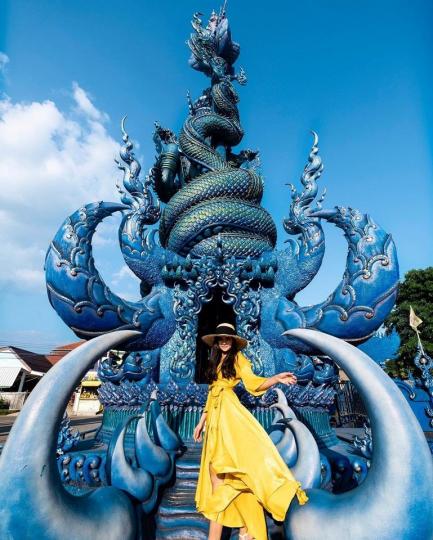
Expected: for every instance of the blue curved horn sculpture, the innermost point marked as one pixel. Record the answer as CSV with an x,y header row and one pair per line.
x,y
307,467
396,499
135,481
33,503
80,296
285,440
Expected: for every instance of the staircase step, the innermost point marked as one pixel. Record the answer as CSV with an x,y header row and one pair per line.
x,y
187,531
177,517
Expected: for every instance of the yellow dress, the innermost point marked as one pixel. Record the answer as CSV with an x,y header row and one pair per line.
x,y
237,446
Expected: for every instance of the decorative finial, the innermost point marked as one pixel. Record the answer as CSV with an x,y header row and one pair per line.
x,y
213,50
301,209
137,194
222,13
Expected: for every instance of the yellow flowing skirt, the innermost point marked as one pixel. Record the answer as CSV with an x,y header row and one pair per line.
x,y
255,475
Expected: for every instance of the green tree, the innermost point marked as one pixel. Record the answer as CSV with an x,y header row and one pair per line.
x,y
415,290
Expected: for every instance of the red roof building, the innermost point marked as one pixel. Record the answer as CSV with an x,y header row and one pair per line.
x,y
62,350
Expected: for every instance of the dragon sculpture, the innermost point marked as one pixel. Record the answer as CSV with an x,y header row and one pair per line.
x,y
195,234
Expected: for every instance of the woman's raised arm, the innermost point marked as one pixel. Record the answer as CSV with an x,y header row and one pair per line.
x,y
252,382
255,384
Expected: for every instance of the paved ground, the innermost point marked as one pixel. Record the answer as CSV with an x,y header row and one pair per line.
x,y
81,423
85,423
348,434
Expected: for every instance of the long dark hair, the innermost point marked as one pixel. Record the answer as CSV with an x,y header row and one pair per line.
x,y
228,367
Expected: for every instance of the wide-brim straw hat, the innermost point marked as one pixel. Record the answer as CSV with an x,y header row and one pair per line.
x,y
227,330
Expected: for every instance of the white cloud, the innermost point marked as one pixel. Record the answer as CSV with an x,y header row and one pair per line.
x,y
51,163
4,60
106,233
119,276
86,106
128,295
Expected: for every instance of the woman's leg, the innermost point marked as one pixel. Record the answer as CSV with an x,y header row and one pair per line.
x,y
215,529
243,534
251,512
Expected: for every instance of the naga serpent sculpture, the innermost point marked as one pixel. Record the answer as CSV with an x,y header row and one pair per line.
x,y
396,499
213,235
33,502
223,202
212,209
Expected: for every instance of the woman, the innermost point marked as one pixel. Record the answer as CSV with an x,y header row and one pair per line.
x,y
241,471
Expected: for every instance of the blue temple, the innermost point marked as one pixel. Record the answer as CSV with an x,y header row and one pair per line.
x,y
195,233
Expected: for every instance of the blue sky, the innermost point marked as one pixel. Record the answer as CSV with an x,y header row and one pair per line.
x,y
359,73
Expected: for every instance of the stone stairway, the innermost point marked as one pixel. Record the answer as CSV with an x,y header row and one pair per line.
x,y
177,517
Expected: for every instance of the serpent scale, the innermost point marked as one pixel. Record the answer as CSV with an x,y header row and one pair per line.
x,y
223,201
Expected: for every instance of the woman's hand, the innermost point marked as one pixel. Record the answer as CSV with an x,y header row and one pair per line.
x,y
198,431
286,377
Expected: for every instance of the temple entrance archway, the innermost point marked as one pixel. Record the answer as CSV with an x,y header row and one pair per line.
x,y
211,314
